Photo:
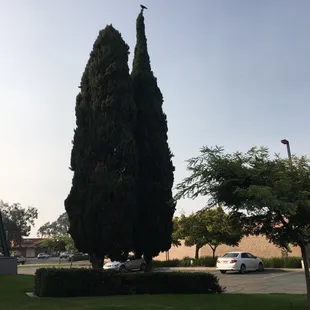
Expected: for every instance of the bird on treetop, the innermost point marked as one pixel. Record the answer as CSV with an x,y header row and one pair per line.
x,y
143,7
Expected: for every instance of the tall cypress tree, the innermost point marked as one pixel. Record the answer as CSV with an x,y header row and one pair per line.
x,y
101,205
154,225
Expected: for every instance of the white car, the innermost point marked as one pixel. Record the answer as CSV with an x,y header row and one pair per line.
x,y
131,264
20,259
239,261
43,255
65,255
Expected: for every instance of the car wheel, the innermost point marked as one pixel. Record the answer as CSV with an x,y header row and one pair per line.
x,y
142,267
223,271
260,267
122,268
242,269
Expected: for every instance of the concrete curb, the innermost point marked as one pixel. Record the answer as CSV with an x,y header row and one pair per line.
x,y
32,295
214,269
52,265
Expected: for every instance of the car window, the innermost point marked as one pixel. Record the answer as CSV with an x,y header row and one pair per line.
x,y
231,255
250,255
244,255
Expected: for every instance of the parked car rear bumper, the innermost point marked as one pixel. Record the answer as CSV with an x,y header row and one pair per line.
x,y
111,268
228,267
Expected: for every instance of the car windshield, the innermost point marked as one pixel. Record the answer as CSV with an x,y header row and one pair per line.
x,y
231,255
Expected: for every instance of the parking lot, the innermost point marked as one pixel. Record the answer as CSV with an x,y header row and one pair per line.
x,y
281,281
270,281
51,260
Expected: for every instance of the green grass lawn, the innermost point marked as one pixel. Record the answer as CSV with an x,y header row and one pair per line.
x,y
13,288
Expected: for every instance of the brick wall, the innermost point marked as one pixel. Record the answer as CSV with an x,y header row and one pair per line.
x,y
257,245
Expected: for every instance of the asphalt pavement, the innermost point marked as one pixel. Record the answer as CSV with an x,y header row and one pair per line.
x,y
51,260
269,281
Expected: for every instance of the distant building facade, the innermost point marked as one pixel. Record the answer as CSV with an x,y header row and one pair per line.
x,y
257,245
30,247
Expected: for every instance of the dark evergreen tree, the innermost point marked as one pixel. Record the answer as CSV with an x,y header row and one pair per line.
x,y
156,207
101,205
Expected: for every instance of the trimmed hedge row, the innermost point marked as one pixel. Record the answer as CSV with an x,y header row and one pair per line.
x,y
289,262
205,261
54,282
276,262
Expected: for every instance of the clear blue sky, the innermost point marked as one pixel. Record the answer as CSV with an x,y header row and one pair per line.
x,y
233,73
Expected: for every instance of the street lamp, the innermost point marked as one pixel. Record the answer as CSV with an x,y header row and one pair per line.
x,y
287,143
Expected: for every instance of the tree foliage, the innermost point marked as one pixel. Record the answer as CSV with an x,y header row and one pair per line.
x,y
70,246
17,220
102,202
55,244
176,236
57,235
60,227
153,228
270,195
211,227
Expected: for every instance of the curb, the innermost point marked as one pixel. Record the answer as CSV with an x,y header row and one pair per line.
x,y
215,269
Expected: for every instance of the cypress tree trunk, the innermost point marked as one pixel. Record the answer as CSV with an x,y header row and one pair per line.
x,y
96,262
148,261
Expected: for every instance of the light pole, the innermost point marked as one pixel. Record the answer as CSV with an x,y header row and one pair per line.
x,y
287,143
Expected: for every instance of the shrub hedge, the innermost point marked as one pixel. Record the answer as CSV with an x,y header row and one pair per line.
x,y
289,262
187,262
276,262
54,282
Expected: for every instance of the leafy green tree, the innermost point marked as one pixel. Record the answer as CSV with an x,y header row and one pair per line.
x,y
62,224
44,230
101,205
59,227
155,203
175,237
211,227
221,228
58,236
193,230
70,247
55,244
17,220
269,195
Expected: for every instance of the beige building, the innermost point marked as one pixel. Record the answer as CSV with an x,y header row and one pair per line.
x,y
29,247
257,245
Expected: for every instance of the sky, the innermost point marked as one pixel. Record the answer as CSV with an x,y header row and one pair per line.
x,y
233,73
